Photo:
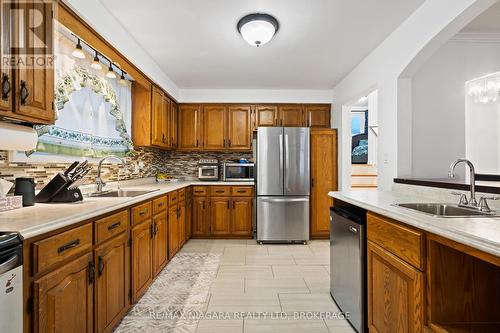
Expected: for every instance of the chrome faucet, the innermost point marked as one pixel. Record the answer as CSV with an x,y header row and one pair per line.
x,y
472,201
100,184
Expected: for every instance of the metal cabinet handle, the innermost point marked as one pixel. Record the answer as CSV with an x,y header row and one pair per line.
x,y
68,246
114,226
100,265
312,182
196,142
220,191
228,204
24,92
353,230
229,142
5,87
234,206
142,213
241,191
151,230
91,272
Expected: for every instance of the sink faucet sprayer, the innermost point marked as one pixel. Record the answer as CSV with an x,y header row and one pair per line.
x,y
472,201
100,184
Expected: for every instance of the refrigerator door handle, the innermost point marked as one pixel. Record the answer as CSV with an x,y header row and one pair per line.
x,y
281,155
287,163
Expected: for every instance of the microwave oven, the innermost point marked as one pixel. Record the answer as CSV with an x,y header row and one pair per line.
x,y
238,172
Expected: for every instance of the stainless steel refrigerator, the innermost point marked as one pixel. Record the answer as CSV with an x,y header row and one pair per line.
x,y
283,189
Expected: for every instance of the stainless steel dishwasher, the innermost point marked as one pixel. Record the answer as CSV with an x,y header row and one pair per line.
x,y
348,262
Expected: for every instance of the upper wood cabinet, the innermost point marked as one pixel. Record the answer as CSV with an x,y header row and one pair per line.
x,y
64,298
323,179
154,118
266,115
291,115
239,127
27,90
190,127
214,127
317,115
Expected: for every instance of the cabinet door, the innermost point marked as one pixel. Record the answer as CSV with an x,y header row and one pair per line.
x,y
174,113
6,86
239,135
190,131
141,259
323,179
317,115
35,84
266,115
112,262
189,212
220,216
158,135
182,223
200,220
395,293
241,217
167,114
160,239
63,298
291,115
173,231
214,127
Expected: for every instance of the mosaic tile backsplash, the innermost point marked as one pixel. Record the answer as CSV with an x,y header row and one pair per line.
x,y
175,163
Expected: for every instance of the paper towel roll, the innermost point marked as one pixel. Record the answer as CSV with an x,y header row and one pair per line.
x,y
17,137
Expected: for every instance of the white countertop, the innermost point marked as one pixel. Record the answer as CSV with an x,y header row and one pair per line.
x,y
41,218
480,233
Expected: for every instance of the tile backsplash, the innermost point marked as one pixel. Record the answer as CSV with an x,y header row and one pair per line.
x,y
175,163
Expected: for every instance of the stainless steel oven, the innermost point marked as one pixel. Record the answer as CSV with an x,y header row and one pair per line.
x,y
208,169
238,172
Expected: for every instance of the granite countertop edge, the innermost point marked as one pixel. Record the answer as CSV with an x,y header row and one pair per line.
x,y
434,225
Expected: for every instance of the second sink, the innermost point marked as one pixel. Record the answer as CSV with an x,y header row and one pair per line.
x,y
445,210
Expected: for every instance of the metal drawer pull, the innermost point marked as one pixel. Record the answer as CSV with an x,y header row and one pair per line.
x,y
114,226
220,191
68,246
241,191
24,92
142,213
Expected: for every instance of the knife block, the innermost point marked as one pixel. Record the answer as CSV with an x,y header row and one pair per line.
x,y
67,195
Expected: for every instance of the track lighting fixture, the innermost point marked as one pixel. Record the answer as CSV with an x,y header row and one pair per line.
x,y
96,64
111,73
78,52
122,79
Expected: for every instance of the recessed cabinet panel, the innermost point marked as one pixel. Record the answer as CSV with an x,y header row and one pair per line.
x,y
291,116
239,135
215,127
190,130
266,115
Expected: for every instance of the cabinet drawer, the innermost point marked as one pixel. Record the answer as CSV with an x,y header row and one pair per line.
x,y
109,226
406,243
218,191
57,248
160,204
141,213
199,191
172,198
242,191
182,194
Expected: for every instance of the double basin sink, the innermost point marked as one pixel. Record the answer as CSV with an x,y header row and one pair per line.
x,y
446,210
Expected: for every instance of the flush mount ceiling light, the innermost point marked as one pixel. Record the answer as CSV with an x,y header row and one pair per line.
x,y
257,29
78,52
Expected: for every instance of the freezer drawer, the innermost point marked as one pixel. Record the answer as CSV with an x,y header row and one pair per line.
x,y
282,219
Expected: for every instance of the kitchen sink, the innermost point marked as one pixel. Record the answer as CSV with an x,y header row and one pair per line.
x,y
445,210
121,193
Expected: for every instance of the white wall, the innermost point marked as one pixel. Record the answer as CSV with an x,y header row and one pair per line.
x,y
255,96
438,131
102,21
429,27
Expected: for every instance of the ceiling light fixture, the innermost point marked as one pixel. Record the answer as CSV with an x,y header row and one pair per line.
x,y
96,64
78,52
485,89
258,29
111,73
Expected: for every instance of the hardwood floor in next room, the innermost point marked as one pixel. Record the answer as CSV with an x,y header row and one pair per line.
x,y
239,276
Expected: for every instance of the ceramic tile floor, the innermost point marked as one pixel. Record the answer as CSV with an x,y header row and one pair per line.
x,y
240,281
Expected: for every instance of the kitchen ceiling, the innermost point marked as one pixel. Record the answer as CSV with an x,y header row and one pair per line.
x,y
487,22
197,45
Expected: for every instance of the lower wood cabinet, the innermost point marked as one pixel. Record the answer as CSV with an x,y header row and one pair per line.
x,y
173,231
241,217
200,217
395,293
142,252
63,299
182,223
160,239
112,286
220,216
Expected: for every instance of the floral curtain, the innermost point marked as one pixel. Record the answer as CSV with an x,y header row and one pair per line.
x,y
93,112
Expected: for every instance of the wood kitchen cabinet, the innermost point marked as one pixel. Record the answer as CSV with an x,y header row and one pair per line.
x,y
214,127
173,231
291,115
239,127
112,287
6,98
324,177
64,298
182,222
160,241
220,216
159,122
174,118
241,216
142,252
200,218
266,115
190,127
317,115
395,293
